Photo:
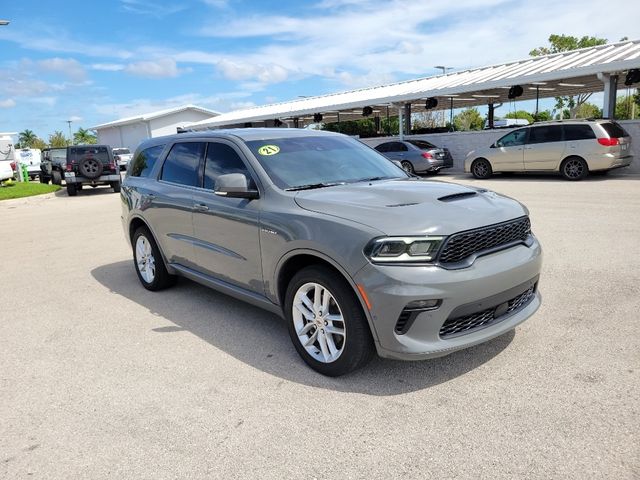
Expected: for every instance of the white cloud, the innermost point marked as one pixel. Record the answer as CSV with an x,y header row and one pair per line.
x,y
68,67
107,67
264,73
155,9
75,118
7,103
161,68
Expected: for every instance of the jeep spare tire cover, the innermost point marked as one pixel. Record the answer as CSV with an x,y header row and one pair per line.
x,y
91,167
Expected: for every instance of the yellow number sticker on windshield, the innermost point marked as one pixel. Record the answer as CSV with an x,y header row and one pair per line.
x,y
268,150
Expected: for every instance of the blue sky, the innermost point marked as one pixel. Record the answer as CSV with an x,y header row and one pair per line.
x,y
97,61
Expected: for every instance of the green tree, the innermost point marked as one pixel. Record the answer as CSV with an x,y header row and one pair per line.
x,y
58,140
543,116
566,43
627,108
84,137
26,138
520,114
39,143
588,110
468,119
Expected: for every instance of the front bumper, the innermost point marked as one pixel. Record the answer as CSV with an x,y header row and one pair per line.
x,y
391,288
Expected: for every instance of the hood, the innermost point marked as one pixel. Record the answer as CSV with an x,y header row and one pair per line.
x,y
412,207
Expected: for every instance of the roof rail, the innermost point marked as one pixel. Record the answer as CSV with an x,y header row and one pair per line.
x,y
560,120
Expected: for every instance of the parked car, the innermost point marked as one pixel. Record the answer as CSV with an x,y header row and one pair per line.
x,y
417,156
572,147
6,172
123,157
31,157
53,165
357,255
91,165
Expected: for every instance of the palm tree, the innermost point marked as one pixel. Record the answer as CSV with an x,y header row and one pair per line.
x,y
27,138
58,139
83,136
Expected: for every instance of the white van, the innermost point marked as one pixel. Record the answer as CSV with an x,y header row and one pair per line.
x,y
31,157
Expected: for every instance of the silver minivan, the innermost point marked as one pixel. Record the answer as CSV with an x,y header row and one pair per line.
x,y
572,147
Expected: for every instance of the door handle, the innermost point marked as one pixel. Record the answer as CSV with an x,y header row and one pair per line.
x,y
201,207
528,148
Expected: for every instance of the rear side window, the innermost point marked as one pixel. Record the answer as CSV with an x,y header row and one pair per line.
x,y
383,147
550,133
422,144
614,130
144,162
398,147
182,163
221,160
578,132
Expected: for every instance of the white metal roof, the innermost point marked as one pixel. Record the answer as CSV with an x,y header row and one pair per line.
x,y
150,116
577,68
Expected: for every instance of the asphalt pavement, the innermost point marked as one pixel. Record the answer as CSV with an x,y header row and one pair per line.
x,y
100,378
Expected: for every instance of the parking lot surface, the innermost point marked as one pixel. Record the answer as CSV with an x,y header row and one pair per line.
x,y
101,378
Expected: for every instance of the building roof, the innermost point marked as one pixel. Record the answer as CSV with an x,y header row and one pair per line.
x,y
150,116
566,73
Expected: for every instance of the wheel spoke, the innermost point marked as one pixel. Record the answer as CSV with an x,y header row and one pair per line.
x,y
304,330
305,300
333,318
304,311
334,330
322,340
330,343
326,299
312,339
317,298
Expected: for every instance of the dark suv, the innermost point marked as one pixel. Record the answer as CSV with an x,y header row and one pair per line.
x,y
53,165
91,165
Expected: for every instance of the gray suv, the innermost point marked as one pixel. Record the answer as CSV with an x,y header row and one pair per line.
x,y
357,255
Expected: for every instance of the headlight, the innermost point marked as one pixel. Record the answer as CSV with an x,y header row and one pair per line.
x,y
403,249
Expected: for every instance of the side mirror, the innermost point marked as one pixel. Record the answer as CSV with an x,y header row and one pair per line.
x,y
494,145
234,185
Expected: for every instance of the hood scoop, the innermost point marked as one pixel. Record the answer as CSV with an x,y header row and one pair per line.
x,y
457,196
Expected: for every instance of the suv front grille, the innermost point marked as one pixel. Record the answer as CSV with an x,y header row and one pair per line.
x,y
484,318
464,244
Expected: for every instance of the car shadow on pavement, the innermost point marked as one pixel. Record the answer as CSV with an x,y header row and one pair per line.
x,y
99,190
260,339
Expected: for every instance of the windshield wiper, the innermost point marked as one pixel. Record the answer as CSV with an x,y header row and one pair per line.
x,y
373,179
311,186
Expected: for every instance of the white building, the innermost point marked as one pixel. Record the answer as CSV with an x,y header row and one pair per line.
x,y
129,132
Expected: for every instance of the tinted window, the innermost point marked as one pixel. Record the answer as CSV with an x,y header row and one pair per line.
x,y
422,144
512,139
99,153
549,133
297,161
222,159
614,130
181,165
578,132
144,162
383,147
398,147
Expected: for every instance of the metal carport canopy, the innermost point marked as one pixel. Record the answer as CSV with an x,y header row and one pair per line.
x,y
567,73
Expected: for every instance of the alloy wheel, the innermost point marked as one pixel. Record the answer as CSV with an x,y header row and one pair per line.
x,y
145,260
318,322
574,168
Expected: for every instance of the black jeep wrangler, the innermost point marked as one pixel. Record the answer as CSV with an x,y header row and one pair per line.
x,y
91,165
53,165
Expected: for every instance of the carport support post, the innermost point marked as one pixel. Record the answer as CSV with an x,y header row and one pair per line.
x,y
491,115
400,122
407,120
610,91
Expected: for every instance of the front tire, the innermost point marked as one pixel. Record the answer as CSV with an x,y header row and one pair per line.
x,y
574,168
326,323
481,168
56,177
72,191
148,262
116,187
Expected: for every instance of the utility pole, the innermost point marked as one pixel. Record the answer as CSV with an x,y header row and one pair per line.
x,y
444,72
70,136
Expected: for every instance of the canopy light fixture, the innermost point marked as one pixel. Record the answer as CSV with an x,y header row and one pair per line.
x,y
538,83
465,99
542,88
515,92
486,96
633,76
562,84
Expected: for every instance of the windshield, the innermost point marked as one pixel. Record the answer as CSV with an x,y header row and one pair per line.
x,y
315,160
121,151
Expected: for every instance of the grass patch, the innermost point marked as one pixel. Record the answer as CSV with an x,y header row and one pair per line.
x,y
25,189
